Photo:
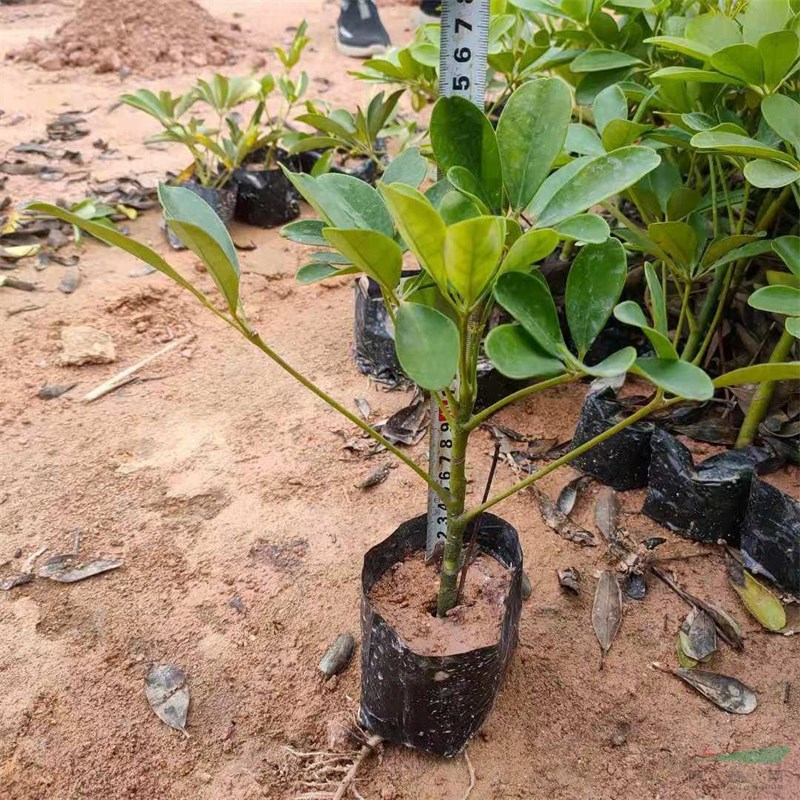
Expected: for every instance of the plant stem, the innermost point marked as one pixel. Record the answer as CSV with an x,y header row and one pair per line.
x,y
518,395
759,405
565,459
255,339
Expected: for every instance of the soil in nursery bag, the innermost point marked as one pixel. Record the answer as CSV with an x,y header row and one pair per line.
x,y
426,682
622,461
265,198
223,201
705,501
771,536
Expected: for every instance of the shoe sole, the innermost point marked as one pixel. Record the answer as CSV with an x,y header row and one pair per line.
x,y
363,51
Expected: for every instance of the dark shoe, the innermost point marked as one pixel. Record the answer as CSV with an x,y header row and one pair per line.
x,y
360,32
428,11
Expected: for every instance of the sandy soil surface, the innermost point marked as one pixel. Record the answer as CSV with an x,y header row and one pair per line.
x,y
226,491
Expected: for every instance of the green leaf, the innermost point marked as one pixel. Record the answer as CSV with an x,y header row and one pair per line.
x,y
527,298
462,136
583,140
427,345
764,16
739,145
770,174
622,132
687,47
758,373
776,300
631,313
472,250
658,300
319,271
597,180
196,224
515,354
742,61
682,202
616,364
410,168
601,60
713,29
592,83
344,201
530,248
762,604
554,182
676,377
677,239
778,52
723,245
788,248
373,253
692,75
530,135
112,237
456,207
594,285
792,325
782,114
610,104
589,228
465,182
421,227
305,231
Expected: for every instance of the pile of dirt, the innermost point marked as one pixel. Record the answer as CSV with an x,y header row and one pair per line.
x,y
148,37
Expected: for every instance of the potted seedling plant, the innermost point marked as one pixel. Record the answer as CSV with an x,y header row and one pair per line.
x,y
421,684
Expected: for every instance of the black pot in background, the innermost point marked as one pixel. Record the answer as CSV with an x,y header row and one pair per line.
x,y
771,536
622,461
265,198
222,200
433,703
707,501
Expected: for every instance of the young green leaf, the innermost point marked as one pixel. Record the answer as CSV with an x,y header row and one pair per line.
x,y
196,224
527,298
589,228
658,300
373,253
421,227
610,104
676,377
530,134
472,251
409,168
462,180
742,61
788,248
529,249
759,373
778,51
319,271
462,136
583,140
677,240
598,179
516,354
456,207
616,364
305,231
782,114
630,312
427,345
777,300
764,16
594,285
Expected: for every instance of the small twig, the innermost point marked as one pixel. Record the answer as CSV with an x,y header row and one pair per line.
x,y
30,561
121,377
471,776
476,524
665,559
369,747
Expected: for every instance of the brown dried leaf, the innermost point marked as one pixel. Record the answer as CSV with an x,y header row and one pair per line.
x,y
607,611
166,691
66,568
606,513
727,693
560,523
568,496
699,635
569,579
375,477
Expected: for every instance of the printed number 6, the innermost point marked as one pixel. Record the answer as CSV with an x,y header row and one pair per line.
x,y
462,54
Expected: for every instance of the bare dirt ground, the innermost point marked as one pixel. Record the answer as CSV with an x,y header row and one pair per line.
x,y
223,480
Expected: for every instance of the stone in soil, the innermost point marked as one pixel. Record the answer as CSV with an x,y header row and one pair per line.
x,y
82,344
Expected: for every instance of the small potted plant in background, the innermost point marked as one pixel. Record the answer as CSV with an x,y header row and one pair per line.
x,y
421,685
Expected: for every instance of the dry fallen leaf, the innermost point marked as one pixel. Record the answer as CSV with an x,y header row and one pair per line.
x,y
727,693
570,579
560,523
166,691
606,514
67,569
698,635
568,496
762,604
607,611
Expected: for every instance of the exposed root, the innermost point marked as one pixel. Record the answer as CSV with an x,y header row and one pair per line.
x,y
368,748
471,776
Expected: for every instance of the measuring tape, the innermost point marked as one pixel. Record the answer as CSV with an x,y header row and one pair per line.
x,y
464,46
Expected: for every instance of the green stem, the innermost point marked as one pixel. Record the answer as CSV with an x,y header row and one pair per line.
x,y
770,215
763,396
565,459
518,395
254,338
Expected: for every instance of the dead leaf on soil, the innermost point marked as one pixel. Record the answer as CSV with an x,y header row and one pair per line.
x,y
363,408
166,691
560,523
408,425
25,574
635,586
568,496
606,513
727,693
712,429
375,477
607,612
67,569
698,635
683,659
570,579
762,604
51,391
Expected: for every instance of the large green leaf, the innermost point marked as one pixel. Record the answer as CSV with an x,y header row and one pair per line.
x,y
373,253
610,104
739,145
764,16
554,182
715,30
196,224
530,134
616,364
421,227
530,248
758,373
583,140
515,353
112,237
631,313
777,300
410,168
427,345
472,251
788,248
770,174
687,47
344,201
305,231
597,180
594,285
589,228
462,136
601,60
527,298
677,239
778,52
676,377
692,75
782,114
622,132
742,61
